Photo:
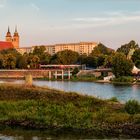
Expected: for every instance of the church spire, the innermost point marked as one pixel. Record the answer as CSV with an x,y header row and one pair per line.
x,y
8,33
8,36
16,38
16,29
8,29
16,33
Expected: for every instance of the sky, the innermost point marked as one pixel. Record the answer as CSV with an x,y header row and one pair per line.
x,y
44,22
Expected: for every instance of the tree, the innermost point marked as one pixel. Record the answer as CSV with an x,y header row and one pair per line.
x,y
121,66
101,49
136,58
101,52
101,60
132,107
82,59
22,61
108,61
65,57
12,52
91,61
39,50
33,61
125,49
9,61
1,61
43,56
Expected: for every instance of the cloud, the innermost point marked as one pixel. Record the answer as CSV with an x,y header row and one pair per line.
x,y
34,6
104,20
109,18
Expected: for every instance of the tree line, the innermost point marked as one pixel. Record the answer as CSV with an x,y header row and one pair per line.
x,y
121,61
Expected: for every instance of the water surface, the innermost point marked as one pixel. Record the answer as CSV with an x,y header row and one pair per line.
x,y
100,90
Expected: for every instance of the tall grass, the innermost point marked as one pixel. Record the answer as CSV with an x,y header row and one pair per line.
x,y
44,108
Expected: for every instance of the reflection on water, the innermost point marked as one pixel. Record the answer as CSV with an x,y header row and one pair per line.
x,y
100,90
21,134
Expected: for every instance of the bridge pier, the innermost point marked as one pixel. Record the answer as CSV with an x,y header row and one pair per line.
x,y
50,75
62,74
69,75
56,74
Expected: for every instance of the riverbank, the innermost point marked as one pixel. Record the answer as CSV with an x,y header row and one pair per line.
x,y
44,108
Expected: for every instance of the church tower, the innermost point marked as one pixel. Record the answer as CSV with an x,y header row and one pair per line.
x,y
8,36
15,40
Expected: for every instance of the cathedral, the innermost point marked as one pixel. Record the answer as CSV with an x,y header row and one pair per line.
x,y
10,41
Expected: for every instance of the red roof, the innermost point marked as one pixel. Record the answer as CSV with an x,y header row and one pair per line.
x,y
5,45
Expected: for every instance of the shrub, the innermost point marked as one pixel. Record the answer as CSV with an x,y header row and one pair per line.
x,y
118,118
75,71
125,79
113,99
136,118
132,107
101,115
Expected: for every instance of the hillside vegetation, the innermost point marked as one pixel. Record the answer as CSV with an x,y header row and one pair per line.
x,y
44,108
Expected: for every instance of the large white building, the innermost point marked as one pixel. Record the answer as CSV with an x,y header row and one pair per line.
x,y
81,48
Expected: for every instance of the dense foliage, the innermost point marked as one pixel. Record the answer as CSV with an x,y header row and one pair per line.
x,y
121,61
136,58
132,107
65,57
121,66
127,47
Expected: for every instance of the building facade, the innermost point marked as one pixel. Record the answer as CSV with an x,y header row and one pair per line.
x,y
13,42
81,48
13,39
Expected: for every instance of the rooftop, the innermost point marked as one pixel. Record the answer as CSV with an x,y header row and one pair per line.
x,y
5,45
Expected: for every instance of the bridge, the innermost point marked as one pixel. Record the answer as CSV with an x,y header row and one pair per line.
x,y
49,74
96,72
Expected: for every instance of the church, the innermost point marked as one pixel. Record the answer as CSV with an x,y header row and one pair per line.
x,y
10,41
13,42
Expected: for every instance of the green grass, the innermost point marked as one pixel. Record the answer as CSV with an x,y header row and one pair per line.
x,y
36,107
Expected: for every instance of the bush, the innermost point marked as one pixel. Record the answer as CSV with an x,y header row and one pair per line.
x,y
132,107
124,79
113,99
75,71
101,115
118,118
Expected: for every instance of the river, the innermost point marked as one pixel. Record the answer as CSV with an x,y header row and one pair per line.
x,y
101,90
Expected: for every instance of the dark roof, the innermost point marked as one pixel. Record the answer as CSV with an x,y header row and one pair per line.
x,y
5,45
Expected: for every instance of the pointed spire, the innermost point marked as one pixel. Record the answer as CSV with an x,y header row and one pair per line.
x,y
8,33
16,33
16,29
8,29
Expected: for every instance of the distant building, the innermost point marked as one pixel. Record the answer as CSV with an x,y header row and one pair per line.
x,y
10,41
81,48
13,42
25,50
5,45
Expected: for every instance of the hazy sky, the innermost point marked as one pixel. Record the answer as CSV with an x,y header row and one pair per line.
x,y
112,22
